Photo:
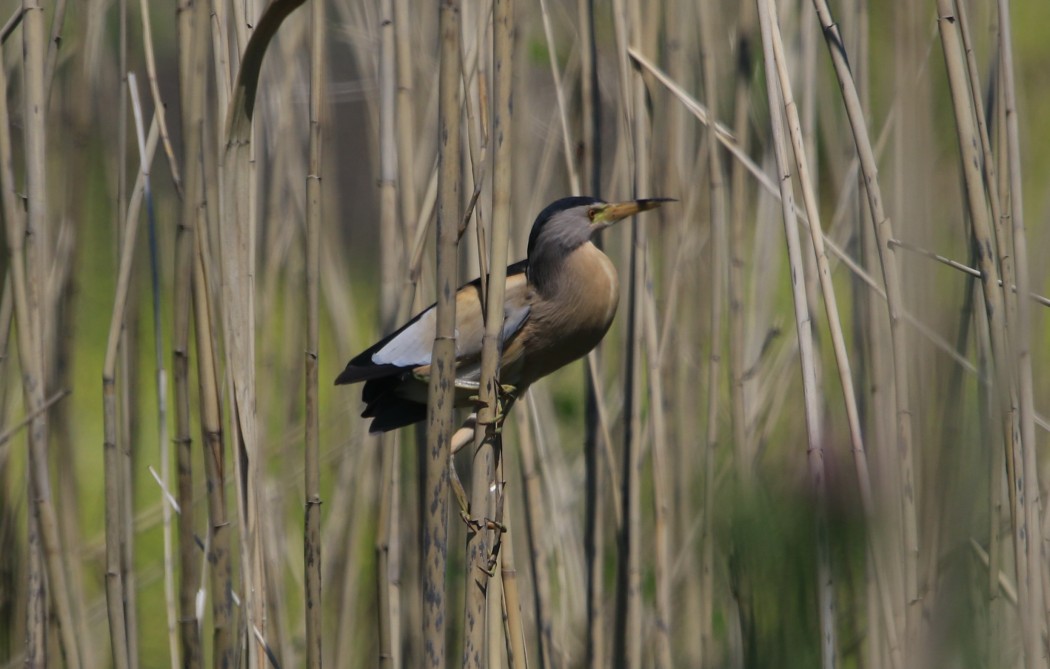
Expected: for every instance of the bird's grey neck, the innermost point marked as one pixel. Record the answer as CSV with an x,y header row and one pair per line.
x,y
547,262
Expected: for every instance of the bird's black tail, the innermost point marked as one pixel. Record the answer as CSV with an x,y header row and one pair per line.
x,y
386,408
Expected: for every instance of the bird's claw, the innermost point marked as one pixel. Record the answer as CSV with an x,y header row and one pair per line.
x,y
506,395
458,491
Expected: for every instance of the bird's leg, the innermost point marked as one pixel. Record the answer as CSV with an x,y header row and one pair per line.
x,y
461,496
506,395
465,434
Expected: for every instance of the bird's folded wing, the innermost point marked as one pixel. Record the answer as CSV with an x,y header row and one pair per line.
x,y
411,346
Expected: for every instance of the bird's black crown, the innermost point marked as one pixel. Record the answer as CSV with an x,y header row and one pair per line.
x,y
553,208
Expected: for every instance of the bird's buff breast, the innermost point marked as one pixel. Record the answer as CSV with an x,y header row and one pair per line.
x,y
570,323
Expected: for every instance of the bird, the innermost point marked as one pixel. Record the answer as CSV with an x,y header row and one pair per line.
x,y
559,303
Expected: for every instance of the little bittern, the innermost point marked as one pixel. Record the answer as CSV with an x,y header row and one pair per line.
x,y
559,303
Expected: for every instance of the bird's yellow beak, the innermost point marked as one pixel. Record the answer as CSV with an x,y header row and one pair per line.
x,y
621,210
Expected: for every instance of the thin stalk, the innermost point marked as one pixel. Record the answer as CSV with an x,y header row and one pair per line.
x,y
221,57
895,305
997,466
29,365
488,442
218,544
515,629
55,41
535,519
114,577
30,318
406,162
1029,574
161,382
965,269
627,642
593,528
663,489
13,430
719,251
440,398
386,523
742,449
838,339
1006,259
559,94
803,325
192,23
1040,609
154,87
237,230
391,249
311,456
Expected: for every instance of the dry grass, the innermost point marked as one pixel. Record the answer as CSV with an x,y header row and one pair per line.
x,y
861,488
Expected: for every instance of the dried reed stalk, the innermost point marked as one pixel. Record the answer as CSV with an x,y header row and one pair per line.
x,y
391,260
535,513
591,144
387,554
154,87
1036,526
895,305
482,502
409,210
803,323
391,252
742,449
28,623
314,219
237,236
405,109
192,23
218,544
627,642
30,304
161,387
442,381
1019,463
719,251
487,488
515,628
488,442
29,366
834,321
114,492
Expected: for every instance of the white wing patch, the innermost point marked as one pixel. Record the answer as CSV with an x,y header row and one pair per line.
x,y
412,347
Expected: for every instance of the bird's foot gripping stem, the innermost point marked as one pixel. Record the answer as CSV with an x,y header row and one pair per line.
x,y
506,395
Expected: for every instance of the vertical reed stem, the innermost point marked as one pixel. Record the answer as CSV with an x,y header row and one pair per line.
x,y
803,323
314,220
192,24
441,394
895,305
591,141
719,250
34,49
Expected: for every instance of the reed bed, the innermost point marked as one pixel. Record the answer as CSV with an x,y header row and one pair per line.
x,y
813,434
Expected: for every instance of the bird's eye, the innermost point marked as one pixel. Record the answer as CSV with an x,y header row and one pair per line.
x,y
593,212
